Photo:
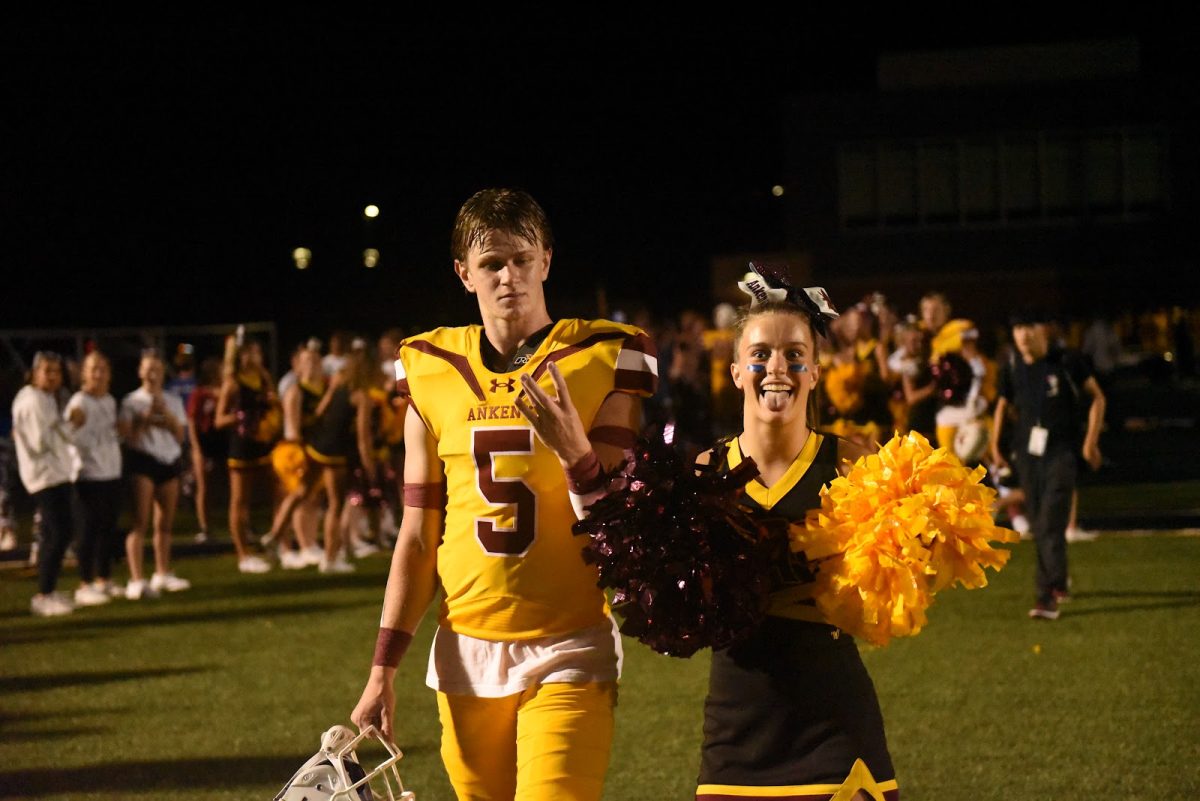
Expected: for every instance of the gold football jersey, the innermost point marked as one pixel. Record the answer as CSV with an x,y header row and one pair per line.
x,y
509,566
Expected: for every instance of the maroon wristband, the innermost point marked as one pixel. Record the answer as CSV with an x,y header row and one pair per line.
x,y
585,476
425,496
390,647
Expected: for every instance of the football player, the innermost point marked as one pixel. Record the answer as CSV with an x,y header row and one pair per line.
x,y
508,428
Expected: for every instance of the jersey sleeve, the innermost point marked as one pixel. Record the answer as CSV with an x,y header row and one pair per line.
x,y
637,366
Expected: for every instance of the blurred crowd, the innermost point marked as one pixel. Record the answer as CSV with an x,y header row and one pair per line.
x,y
320,448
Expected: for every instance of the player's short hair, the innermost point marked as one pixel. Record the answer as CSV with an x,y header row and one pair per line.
x,y
512,211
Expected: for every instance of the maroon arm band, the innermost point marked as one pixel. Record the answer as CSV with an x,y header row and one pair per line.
x,y
390,647
585,476
617,436
425,496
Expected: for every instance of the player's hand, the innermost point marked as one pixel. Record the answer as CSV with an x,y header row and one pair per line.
x,y
1091,455
377,704
77,417
555,419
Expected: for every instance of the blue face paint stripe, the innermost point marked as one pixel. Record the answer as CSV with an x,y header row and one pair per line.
x,y
798,368
756,368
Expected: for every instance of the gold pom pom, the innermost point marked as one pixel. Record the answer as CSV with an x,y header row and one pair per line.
x,y
289,462
905,522
844,387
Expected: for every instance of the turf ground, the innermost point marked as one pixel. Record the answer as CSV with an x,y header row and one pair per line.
x,y
221,692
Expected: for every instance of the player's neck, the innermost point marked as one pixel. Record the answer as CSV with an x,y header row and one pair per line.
x,y
506,336
773,447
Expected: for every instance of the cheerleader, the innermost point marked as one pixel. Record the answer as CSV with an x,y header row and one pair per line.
x,y
247,407
341,431
790,711
301,399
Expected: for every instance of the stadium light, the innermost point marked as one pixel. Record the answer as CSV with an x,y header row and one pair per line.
x,y
302,257
777,190
371,211
370,257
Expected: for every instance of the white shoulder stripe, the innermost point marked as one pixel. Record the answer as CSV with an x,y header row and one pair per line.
x,y
637,361
400,374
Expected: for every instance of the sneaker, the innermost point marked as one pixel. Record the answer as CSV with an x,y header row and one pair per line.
x,y
312,555
137,589
266,540
291,560
51,605
362,549
169,582
339,565
1044,611
90,595
8,540
110,588
1075,534
254,564
201,537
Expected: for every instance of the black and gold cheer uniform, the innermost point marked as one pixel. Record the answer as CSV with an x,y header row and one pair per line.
x,y
253,435
791,713
334,437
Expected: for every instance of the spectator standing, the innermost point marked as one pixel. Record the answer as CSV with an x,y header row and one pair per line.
x,y
48,465
152,422
99,485
1047,387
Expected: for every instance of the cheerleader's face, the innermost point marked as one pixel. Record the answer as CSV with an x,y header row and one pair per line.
x,y
776,367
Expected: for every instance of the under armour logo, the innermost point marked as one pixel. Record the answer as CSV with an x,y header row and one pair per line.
x,y
509,384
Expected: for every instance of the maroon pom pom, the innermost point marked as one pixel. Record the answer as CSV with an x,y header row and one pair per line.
x,y
688,567
953,376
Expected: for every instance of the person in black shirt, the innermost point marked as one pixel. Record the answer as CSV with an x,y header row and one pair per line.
x,y
1049,389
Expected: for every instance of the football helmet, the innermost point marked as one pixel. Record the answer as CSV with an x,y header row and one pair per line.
x,y
335,774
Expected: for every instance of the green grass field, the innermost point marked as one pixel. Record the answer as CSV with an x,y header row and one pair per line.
x,y
221,692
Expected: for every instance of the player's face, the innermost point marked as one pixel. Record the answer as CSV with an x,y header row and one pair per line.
x,y
505,273
1030,340
96,375
48,376
776,368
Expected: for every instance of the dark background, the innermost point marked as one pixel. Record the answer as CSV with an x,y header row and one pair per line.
x,y
161,171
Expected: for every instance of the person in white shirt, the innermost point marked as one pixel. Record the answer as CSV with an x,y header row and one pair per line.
x,y
99,484
152,424
48,465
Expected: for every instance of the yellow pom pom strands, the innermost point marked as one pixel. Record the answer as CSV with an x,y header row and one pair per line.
x,y
289,462
905,522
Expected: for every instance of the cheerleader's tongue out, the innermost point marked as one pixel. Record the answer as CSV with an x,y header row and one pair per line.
x,y
775,395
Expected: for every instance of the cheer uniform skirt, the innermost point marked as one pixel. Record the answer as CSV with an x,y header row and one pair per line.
x,y
792,711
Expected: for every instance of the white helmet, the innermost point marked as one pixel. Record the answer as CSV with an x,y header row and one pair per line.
x,y
334,772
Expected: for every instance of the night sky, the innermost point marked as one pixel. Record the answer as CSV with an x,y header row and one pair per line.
x,y
162,171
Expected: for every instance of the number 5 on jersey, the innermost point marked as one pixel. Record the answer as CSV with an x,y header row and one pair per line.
x,y
486,445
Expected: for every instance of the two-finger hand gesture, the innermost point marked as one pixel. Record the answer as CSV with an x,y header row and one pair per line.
x,y
554,419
